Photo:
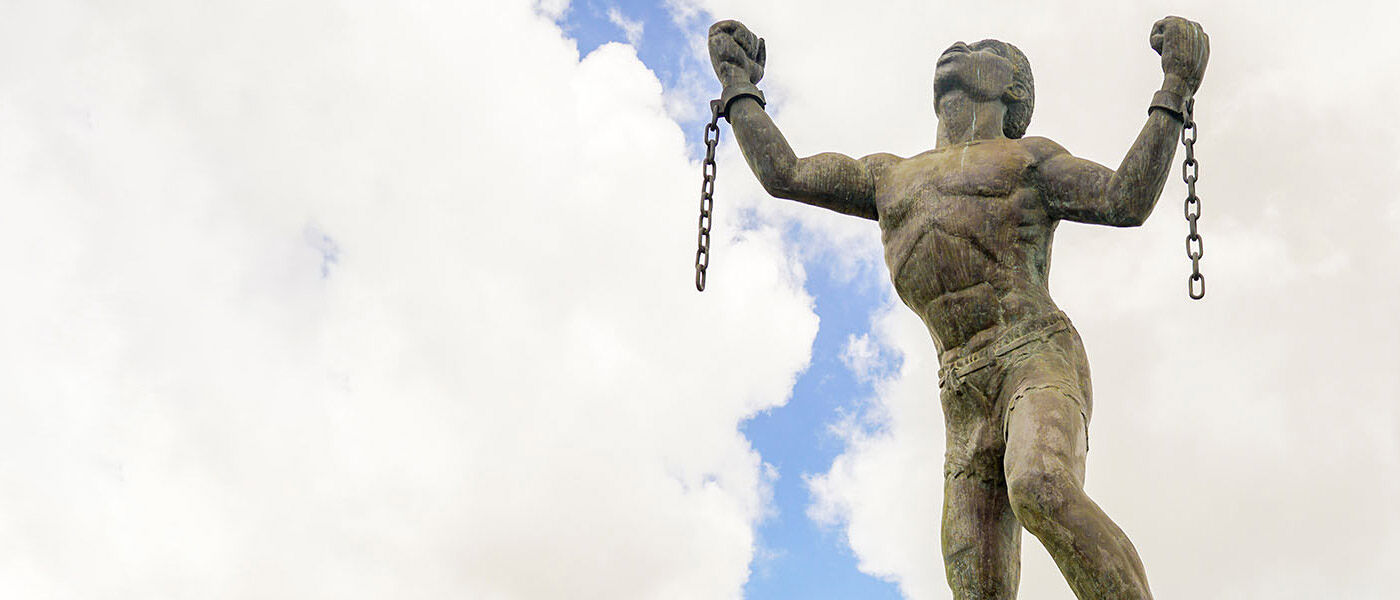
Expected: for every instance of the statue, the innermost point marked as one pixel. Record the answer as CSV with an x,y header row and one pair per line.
x,y
966,229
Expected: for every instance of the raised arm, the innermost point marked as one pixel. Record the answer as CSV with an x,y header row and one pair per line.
x,y
831,181
1081,190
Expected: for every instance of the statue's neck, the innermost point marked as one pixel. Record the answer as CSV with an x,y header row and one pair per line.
x,y
962,119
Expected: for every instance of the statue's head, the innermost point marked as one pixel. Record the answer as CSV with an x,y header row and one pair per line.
x,y
989,70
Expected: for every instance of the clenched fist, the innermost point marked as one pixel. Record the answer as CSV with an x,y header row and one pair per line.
x,y
736,53
1185,49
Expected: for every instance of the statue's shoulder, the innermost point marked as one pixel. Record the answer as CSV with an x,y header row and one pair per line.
x,y
879,162
880,159
1041,148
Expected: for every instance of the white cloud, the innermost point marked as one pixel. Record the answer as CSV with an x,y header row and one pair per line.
x,y
630,27
367,300
863,357
552,9
684,13
1249,444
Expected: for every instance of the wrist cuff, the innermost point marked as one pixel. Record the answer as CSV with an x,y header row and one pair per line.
x,y
1170,102
737,91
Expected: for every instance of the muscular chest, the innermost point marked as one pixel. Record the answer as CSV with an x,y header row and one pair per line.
x,y
979,193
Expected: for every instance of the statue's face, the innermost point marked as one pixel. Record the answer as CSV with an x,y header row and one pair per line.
x,y
977,70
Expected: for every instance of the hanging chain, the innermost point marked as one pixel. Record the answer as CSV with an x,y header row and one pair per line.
x,y
1196,285
707,192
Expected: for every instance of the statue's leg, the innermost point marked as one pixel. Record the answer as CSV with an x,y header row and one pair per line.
x,y
1045,451
981,538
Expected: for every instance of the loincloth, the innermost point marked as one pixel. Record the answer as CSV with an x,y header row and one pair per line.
x,y
981,386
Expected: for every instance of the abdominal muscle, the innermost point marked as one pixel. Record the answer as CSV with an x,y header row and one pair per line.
x,y
965,292
976,316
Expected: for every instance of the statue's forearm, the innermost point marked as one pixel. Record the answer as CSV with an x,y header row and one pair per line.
x,y
1137,184
765,149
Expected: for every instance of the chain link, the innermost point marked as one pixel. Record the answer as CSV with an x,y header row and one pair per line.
x,y
1190,172
707,193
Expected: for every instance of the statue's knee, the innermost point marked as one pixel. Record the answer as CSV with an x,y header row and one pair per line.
x,y
1040,497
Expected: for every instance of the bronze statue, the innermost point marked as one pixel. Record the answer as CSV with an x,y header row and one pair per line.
x,y
966,229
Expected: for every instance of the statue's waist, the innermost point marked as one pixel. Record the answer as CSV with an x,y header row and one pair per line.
x,y
984,350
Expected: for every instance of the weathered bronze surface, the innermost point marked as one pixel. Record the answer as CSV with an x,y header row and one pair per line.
x,y
967,228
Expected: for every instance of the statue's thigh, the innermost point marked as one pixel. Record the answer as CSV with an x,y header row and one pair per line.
x,y
1046,435
1046,420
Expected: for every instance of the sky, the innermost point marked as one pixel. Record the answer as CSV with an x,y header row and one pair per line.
x,y
363,300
